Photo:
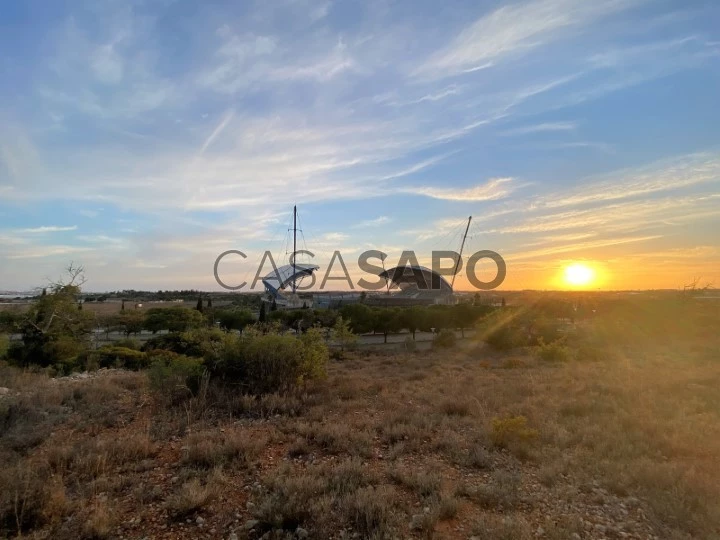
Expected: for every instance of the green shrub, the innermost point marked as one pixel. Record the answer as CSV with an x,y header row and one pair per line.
x,y
114,356
445,339
173,376
128,343
198,343
4,345
556,351
512,432
263,364
505,338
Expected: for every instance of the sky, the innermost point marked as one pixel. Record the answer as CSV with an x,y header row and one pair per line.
x,y
143,138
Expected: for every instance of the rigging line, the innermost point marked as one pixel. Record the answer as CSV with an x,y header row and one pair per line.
x,y
444,238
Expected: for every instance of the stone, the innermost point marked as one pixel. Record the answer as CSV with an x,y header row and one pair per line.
x,y
250,524
417,521
199,521
301,533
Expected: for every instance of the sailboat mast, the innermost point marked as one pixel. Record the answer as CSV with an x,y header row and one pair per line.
x,y
462,246
294,245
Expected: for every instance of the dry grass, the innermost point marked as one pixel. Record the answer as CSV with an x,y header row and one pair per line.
x,y
420,445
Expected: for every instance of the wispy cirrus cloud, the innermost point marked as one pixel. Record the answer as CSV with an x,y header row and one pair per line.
x,y
376,222
515,29
47,229
494,189
540,128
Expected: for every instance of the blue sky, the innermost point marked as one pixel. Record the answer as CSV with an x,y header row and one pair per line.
x,y
143,138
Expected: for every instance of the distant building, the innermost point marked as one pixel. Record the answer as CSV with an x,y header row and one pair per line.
x,y
418,286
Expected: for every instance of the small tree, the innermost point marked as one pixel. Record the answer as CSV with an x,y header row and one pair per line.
x,y
130,322
412,319
209,303
263,315
273,306
199,305
234,319
387,320
54,330
343,335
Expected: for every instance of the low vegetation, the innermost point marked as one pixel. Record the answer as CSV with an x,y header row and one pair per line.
x,y
546,426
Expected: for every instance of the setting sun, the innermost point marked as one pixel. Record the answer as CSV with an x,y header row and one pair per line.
x,y
578,275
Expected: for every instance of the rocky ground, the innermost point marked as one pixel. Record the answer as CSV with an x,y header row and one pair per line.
x,y
457,445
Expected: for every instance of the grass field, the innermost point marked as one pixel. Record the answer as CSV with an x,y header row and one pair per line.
x,y
466,444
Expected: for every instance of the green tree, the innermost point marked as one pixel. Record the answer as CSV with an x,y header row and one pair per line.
x,y
130,322
360,316
10,320
343,335
386,321
174,319
234,319
412,319
263,315
465,316
53,330
199,305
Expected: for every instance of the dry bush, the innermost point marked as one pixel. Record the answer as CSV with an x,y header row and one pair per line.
x,y
424,483
190,497
372,511
95,457
501,492
299,448
348,476
23,498
99,522
448,507
455,408
512,433
212,449
337,438
289,501
507,527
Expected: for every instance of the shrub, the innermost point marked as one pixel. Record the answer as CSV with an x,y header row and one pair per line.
x,y
264,364
555,351
445,339
371,511
114,356
191,496
198,343
505,338
128,343
174,376
511,432
23,498
4,345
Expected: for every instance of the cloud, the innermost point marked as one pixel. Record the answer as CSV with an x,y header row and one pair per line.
x,y
515,29
584,247
666,175
381,220
47,251
540,128
218,129
494,189
47,229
